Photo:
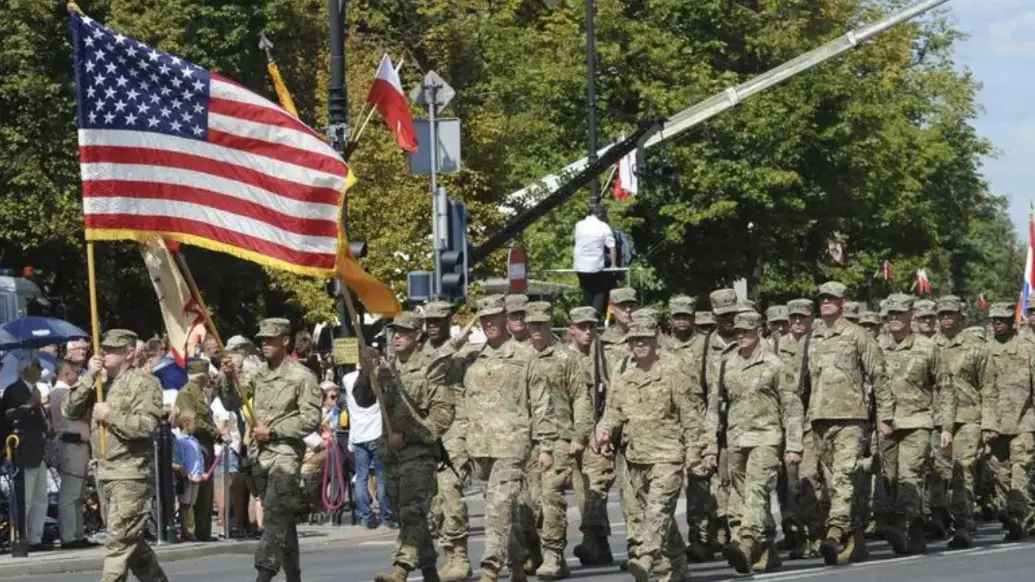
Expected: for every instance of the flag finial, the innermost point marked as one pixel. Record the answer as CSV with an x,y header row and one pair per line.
x,y
73,7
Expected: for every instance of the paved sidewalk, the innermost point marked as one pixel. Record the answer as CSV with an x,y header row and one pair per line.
x,y
312,538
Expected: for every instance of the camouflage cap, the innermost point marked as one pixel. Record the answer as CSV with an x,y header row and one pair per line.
x,y
583,315
1001,311
833,289
642,328
407,320
539,312
869,318
119,338
646,314
197,366
948,303
490,305
747,320
777,313
704,318
800,306
924,308
746,305
851,310
898,303
241,344
623,295
977,330
274,327
724,301
515,303
681,305
437,310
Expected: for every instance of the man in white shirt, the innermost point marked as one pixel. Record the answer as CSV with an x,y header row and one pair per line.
x,y
72,444
594,243
364,433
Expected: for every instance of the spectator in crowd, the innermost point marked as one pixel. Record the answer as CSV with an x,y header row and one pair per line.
x,y
140,355
72,445
210,351
230,446
188,464
594,242
23,412
304,353
364,434
316,447
196,397
77,352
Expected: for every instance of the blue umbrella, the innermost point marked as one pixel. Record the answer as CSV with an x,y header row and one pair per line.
x,y
36,332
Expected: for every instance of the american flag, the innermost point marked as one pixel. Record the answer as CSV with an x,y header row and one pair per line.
x,y
168,148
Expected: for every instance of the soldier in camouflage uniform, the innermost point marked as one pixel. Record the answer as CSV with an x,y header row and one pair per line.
x,y
287,403
799,482
448,510
924,402
516,326
594,473
507,418
976,411
926,317
852,310
196,396
704,322
557,371
777,321
651,403
755,407
417,404
1013,441
120,437
842,359
870,321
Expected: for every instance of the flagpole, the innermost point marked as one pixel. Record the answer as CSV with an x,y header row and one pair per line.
x,y
350,307
370,113
95,333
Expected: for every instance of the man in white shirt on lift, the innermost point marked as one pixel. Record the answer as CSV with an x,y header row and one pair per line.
x,y
594,243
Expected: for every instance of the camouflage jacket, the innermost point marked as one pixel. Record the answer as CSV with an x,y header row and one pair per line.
x,y
787,351
657,414
973,379
288,400
920,383
419,404
843,360
763,407
193,397
455,439
713,353
557,370
615,350
135,398
505,412
1014,367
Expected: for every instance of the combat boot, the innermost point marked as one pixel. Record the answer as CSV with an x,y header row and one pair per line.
x,y
554,566
698,551
458,565
837,548
938,524
768,561
398,574
917,541
534,559
264,575
895,535
517,573
594,549
430,574
639,568
740,555
961,539
489,575
1014,529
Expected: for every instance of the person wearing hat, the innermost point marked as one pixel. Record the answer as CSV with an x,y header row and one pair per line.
x,y
681,321
652,405
704,322
1013,360
925,402
506,419
757,408
778,320
196,396
516,305
925,316
851,311
126,421
286,402
870,321
623,303
843,361
21,412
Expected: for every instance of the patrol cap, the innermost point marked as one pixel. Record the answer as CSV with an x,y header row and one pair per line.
x,y
490,305
948,303
799,306
646,314
437,310
724,301
119,338
1001,311
746,305
833,289
776,314
539,312
898,303
977,331
851,310
747,320
681,305
274,327
704,318
239,343
197,366
515,303
869,318
623,295
642,328
582,315
924,308
407,320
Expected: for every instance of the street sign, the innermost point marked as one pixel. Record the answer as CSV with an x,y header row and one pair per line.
x,y
447,134
517,270
433,89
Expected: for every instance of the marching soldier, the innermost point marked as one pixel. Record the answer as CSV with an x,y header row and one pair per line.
x,y
777,319
799,503
196,397
755,405
704,322
287,404
852,310
516,326
870,321
126,420
926,317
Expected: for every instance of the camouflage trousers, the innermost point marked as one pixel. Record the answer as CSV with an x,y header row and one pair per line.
x,y
593,479
967,445
128,506
805,494
529,510
939,474
557,480
1011,459
753,472
279,488
411,485
650,507
504,478
448,510
837,450
720,486
906,457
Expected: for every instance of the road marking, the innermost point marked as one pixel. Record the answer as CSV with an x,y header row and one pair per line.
x,y
377,543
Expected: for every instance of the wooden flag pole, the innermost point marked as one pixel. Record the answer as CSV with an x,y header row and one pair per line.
x,y
95,331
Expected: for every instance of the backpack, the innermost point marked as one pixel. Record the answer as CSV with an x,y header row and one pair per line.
x,y
626,250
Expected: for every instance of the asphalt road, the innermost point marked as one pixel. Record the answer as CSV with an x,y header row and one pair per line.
x,y
358,561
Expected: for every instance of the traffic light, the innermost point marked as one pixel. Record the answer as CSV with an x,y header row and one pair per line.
x,y
452,261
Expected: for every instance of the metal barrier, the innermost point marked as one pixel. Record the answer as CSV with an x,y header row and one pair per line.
x,y
627,270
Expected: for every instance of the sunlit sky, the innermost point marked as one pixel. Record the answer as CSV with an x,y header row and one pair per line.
x,y
1001,54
